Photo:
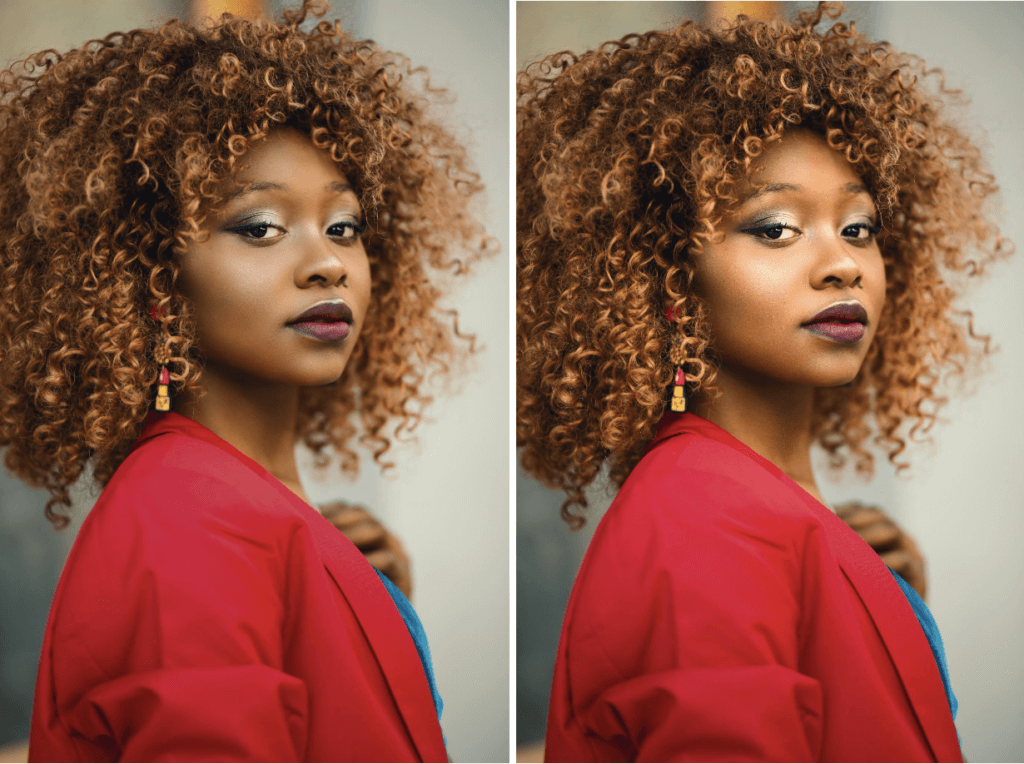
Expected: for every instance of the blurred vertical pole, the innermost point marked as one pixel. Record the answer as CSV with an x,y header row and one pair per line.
x,y
201,9
755,9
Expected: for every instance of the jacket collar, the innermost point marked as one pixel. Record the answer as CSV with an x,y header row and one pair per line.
x,y
385,630
886,604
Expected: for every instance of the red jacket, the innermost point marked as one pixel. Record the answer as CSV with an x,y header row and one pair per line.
x,y
207,613
723,614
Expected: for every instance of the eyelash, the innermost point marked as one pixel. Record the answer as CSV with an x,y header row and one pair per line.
x,y
357,228
873,231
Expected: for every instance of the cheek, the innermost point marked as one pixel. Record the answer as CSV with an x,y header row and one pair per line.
x,y
229,304
362,280
875,283
878,279
224,298
744,299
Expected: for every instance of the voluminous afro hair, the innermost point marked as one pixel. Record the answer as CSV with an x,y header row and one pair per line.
x,y
627,158
112,157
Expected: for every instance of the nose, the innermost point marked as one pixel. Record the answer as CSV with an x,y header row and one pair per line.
x,y
836,266
321,263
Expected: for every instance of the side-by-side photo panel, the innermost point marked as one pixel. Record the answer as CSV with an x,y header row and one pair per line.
x,y
254,380
768,488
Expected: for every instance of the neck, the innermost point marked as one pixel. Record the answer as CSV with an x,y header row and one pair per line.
x,y
767,416
256,417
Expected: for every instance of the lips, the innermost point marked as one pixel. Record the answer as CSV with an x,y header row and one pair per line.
x,y
330,310
842,313
327,321
841,322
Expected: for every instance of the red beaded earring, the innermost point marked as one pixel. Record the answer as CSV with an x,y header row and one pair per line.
x,y
678,357
163,397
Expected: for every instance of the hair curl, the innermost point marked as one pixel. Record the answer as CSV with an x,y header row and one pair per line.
x,y
112,157
627,157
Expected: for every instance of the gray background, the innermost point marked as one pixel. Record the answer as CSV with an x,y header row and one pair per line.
x,y
449,498
964,497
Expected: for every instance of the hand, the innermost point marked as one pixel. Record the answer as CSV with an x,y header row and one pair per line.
x,y
381,548
896,547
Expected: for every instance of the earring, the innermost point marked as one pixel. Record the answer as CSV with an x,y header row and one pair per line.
x,y
163,398
678,358
679,390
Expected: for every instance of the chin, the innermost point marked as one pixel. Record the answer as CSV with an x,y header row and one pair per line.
x,y
322,379
834,377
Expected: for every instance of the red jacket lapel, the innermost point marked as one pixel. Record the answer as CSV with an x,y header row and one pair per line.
x,y
882,598
902,634
384,628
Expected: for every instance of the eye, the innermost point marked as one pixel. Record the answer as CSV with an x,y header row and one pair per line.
x,y
862,232
257,231
347,231
773,232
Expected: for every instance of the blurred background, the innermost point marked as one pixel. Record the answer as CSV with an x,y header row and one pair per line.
x,y
448,500
963,499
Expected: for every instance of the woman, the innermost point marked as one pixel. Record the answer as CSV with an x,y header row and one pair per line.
x,y
733,244
235,227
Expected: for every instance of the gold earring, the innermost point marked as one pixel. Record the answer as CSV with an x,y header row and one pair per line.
x,y
678,357
163,397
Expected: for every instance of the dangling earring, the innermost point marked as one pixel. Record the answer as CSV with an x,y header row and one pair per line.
x,y
678,357
679,388
163,398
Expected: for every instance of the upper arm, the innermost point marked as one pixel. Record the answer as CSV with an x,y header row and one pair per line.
x,y
169,640
685,634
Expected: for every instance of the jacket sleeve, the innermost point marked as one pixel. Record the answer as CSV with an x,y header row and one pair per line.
x,y
687,634
171,636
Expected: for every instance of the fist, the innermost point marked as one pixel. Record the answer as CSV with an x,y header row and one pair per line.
x,y
380,546
896,548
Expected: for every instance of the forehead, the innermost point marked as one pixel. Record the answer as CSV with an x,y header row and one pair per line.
x,y
802,158
289,155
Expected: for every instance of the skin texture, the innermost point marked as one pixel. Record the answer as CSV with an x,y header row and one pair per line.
x,y
802,240
266,258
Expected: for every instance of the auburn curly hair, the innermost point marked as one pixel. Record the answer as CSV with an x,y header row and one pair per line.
x,y
627,159
112,157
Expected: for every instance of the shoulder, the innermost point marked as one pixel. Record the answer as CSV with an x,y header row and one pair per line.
x,y
182,527
694,484
179,508
701,541
696,521
176,481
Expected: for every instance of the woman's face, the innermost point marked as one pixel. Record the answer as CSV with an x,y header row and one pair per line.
x,y
801,245
288,244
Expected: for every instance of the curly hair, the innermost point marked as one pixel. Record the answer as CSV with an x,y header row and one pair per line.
x,y
629,156
113,156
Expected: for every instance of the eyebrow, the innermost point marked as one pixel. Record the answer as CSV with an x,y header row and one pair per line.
x,y
772,188
338,187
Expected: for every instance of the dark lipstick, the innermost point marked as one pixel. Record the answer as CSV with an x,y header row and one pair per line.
x,y
327,321
842,322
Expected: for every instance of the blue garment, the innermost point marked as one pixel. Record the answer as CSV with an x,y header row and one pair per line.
x,y
931,631
419,636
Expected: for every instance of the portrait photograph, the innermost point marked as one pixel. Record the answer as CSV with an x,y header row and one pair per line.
x,y
255,384
768,489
